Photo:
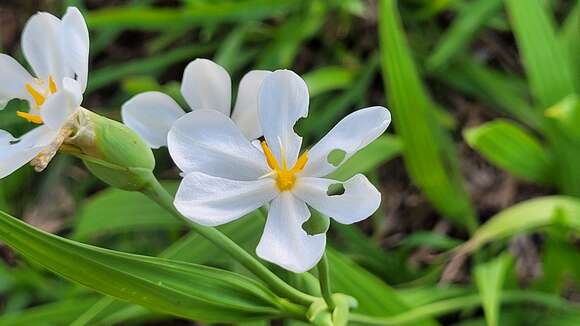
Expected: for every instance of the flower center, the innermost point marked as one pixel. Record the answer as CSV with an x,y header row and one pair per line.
x,y
285,178
39,97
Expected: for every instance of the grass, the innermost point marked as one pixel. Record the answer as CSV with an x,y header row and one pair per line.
x,y
481,160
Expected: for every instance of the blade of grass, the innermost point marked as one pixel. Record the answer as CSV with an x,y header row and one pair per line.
x,y
506,93
546,63
471,19
110,74
489,278
429,155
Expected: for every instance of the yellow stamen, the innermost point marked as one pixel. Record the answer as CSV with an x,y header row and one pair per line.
x,y
38,98
270,158
34,118
51,85
285,178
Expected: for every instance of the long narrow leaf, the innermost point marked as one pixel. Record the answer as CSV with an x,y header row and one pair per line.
x,y
547,66
512,148
526,216
427,149
182,289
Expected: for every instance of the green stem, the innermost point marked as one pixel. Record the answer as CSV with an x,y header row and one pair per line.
x,y
158,194
440,308
324,279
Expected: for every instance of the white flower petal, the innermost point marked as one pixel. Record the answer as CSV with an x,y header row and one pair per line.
x,y
41,46
284,242
6,138
283,99
60,106
14,155
213,201
206,85
359,200
245,112
13,78
209,142
352,133
75,45
151,115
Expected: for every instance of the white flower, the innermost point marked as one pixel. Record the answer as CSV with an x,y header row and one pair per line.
x,y
226,176
205,85
58,52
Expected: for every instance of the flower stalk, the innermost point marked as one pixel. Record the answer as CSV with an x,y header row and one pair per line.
x,y
324,279
157,193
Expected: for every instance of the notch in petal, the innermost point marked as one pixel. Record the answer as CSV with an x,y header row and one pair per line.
x,y
352,133
358,199
284,242
282,101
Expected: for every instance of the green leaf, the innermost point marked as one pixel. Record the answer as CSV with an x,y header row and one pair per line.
x,y
513,149
489,278
374,297
526,216
506,93
471,18
58,313
181,289
327,79
428,150
369,158
548,68
112,73
200,13
447,306
191,248
566,114
281,51
570,38
118,210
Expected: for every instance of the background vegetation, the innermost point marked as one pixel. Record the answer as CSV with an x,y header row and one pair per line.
x,y
479,172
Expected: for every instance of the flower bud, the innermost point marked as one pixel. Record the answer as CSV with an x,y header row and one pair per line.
x,y
111,151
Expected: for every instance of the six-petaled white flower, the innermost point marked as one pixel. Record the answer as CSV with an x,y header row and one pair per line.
x,y
58,52
226,176
205,85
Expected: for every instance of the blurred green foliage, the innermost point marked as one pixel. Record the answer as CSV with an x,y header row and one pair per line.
x,y
516,61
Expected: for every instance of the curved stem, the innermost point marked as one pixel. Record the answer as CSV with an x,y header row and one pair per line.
x,y
158,194
324,279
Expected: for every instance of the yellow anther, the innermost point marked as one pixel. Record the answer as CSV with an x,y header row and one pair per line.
x,y
270,158
285,178
38,98
301,163
51,85
34,118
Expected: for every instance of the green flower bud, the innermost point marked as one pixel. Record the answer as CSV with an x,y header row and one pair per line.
x,y
111,151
